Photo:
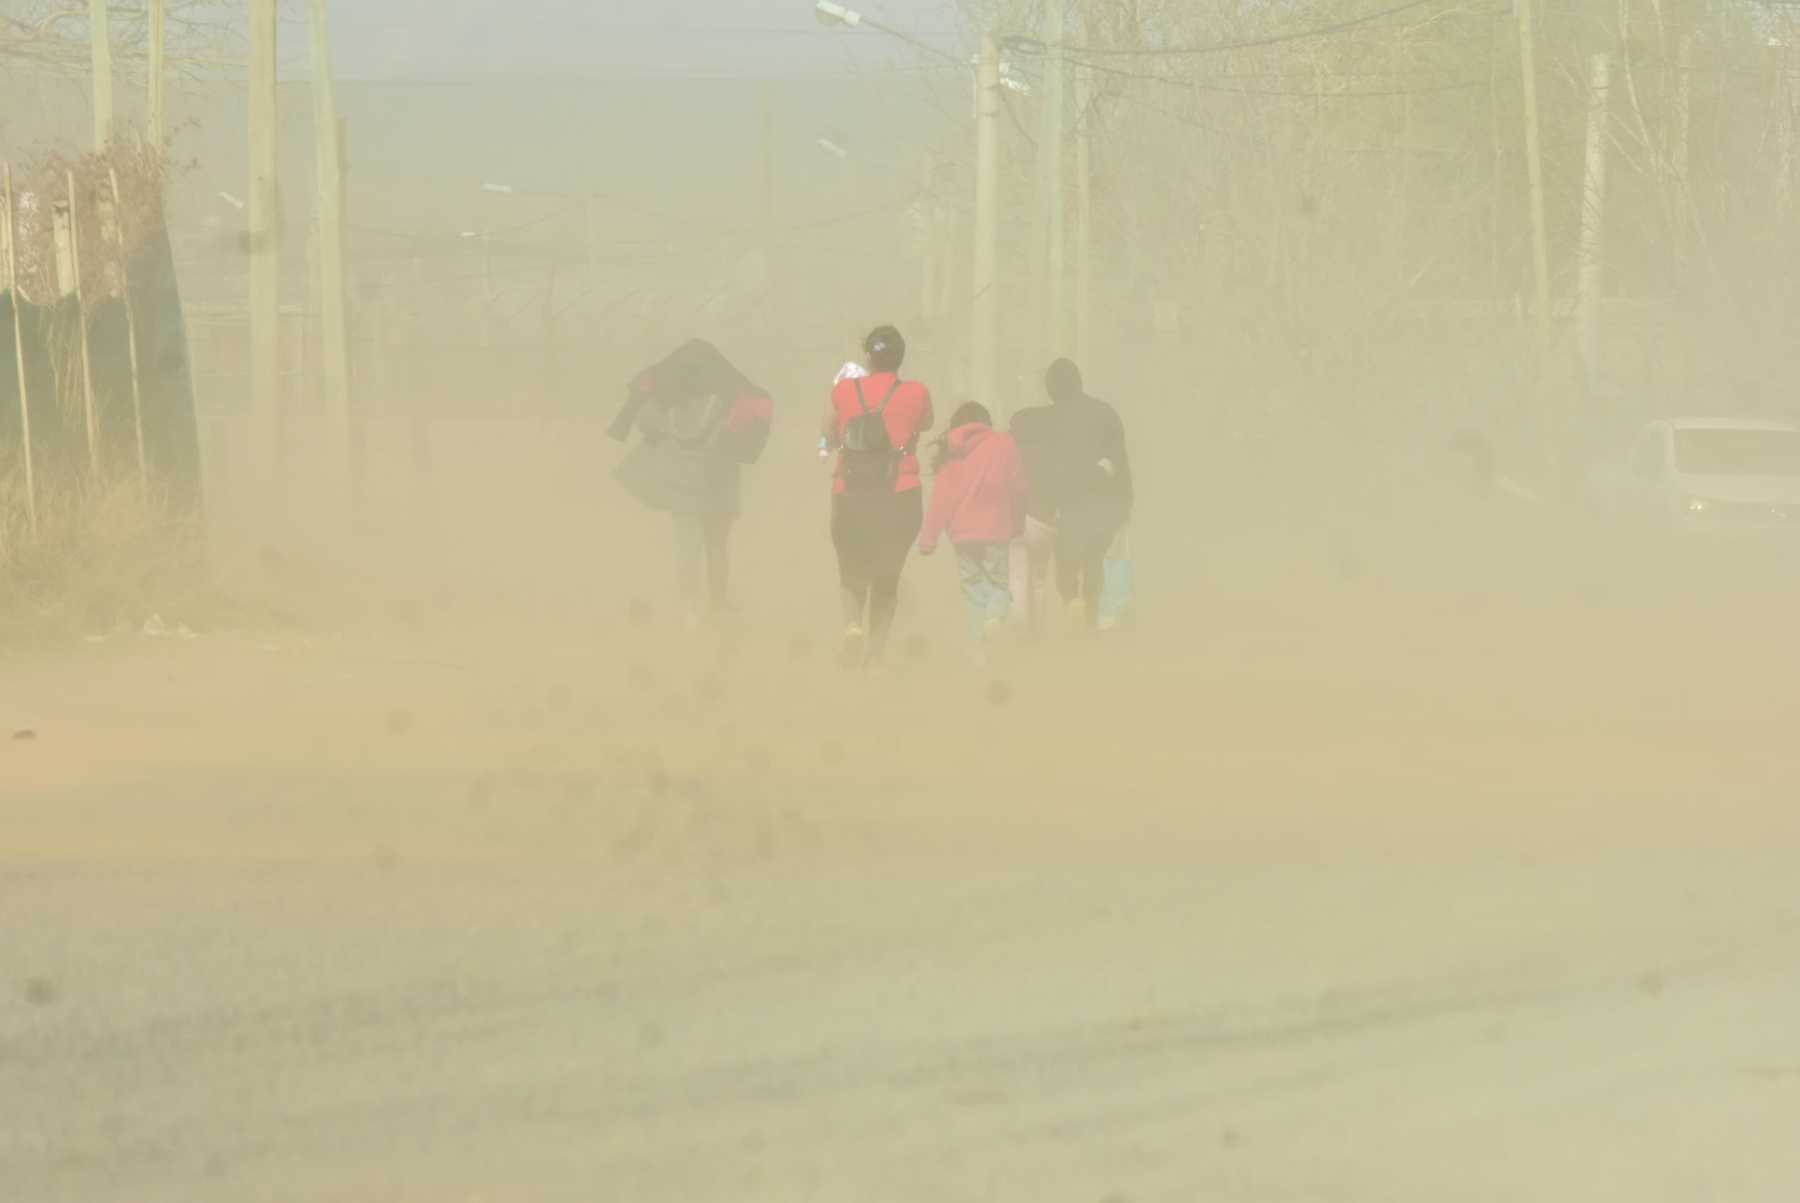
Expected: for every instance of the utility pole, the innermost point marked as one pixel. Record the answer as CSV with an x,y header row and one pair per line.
x,y
1540,243
1084,197
1593,216
1047,212
334,334
984,284
100,43
265,257
1534,162
1055,96
156,121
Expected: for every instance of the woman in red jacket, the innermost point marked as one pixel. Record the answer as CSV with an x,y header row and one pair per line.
x,y
874,423
978,500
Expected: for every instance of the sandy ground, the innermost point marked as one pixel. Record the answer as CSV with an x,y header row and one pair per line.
x,y
1384,894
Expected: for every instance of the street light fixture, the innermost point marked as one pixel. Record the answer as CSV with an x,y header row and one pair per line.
x,y
833,15
836,16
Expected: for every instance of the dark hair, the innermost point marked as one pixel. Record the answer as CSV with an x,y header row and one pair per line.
x,y
970,411
1063,381
885,348
967,412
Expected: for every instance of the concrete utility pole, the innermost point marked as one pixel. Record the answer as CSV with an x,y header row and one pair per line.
x,y
984,283
100,42
265,256
334,333
1047,209
1593,217
1534,162
1084,197
156,123
1056,258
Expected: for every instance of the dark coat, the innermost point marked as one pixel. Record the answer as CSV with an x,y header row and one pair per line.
x,y
1064,445
690,456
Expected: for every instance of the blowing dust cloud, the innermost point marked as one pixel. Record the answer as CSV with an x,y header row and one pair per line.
x,y
1093,600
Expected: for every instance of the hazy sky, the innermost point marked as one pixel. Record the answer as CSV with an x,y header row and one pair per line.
x,y
389,38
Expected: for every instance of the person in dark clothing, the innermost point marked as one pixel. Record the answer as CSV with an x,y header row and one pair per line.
x,y
701,421
877,500
1080,475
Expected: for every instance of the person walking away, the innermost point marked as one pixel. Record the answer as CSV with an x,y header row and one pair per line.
x,y
978,500
1080,475
701,420
874,423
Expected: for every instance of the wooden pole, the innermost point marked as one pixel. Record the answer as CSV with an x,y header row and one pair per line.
x,y
1056,251
1593,217
100,42
328,154
131,341
18,306
1534,162
1046,210
984,285
81,325
265,257
1084,198
156,120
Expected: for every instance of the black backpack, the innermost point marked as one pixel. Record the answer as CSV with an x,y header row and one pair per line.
x,y
871,461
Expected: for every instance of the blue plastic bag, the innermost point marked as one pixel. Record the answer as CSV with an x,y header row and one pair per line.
x,y
1118,593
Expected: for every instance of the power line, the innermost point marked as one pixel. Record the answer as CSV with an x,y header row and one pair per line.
x,y
1274,39
1189,85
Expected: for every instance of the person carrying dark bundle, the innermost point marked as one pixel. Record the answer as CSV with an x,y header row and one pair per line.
x,y
700,420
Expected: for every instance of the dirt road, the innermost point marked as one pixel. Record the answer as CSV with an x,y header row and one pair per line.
x,y
1390,899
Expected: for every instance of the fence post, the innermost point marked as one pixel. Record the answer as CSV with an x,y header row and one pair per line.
x,y
68,262
131,340
18,306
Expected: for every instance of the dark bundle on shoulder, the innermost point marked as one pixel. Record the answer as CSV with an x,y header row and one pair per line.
x,y
700,400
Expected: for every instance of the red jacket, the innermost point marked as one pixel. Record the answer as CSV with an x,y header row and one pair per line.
x,y
908,415
980,493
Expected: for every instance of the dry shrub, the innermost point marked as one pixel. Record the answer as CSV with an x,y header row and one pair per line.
x,y
101,227
103,557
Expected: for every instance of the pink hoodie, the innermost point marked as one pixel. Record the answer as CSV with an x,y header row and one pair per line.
x,y
979,494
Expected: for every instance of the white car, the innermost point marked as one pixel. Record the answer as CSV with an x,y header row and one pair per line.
x,y
1697,475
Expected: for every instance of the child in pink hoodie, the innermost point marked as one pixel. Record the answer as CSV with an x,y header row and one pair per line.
x,y
978,500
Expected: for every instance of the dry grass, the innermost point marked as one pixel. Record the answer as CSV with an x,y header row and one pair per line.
x,y
102,556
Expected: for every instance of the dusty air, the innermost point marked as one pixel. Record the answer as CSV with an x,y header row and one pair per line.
x,y
1112,601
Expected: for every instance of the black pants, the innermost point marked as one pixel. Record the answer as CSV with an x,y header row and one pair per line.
x,y
873,534
1083,536
1081,574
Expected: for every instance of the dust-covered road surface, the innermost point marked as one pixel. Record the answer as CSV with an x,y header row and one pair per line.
x,y
1387,900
